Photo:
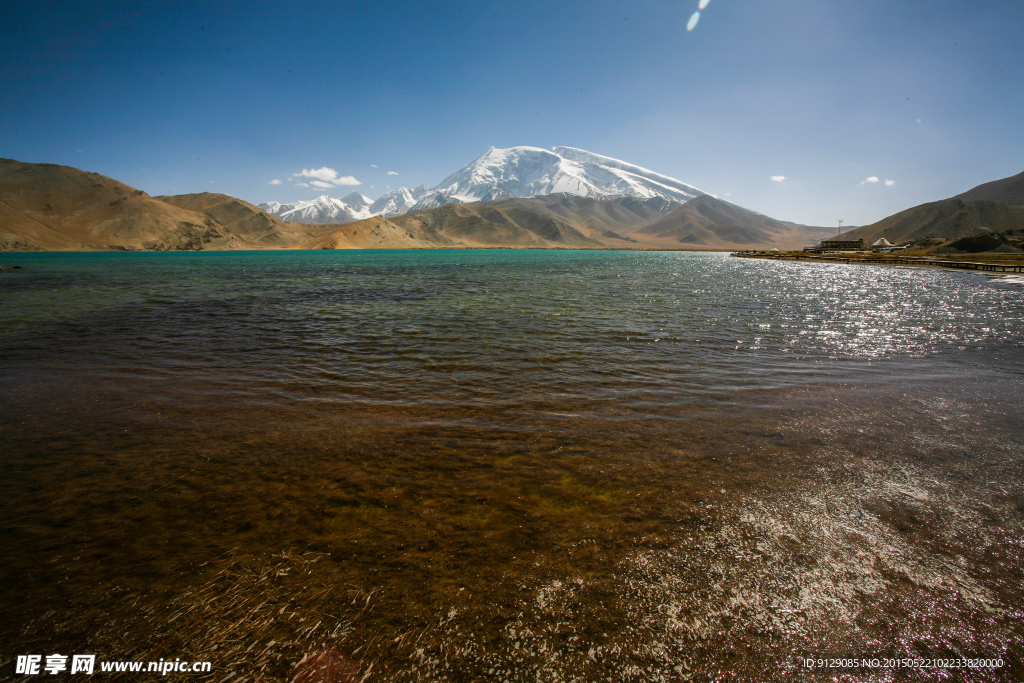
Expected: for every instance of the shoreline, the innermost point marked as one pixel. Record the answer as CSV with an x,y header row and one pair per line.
x,y
723,250
995,263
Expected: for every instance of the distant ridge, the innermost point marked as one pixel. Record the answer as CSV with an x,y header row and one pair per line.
x,y
1006,191
571,222
712,223
59,208
515,223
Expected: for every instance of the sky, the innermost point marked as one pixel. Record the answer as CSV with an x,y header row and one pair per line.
x,y
805,111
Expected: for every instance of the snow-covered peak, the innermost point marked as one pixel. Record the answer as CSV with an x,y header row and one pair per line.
x,y
398,201
323,209
501,173
356,198
515,172
352,207
640,173
532,171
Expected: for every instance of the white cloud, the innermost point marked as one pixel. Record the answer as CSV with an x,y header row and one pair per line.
x,y
869,179
321,184
301,184
890,182
373,165
778,178
275,181
323,173
919,120
392,173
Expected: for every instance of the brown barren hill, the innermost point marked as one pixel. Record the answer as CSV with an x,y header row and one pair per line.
x,y
248,223
610,217
490,225
945,219
571,222
459,225
59,208
51,207
709,223
376,232
1006,191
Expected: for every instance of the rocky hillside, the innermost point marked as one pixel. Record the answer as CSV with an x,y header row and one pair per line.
x,y
710,223
460,226
50,207
247,223
945,219
46,207
1006,191
569,221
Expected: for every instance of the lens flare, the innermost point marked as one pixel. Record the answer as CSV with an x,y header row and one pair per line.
x,y
703,4
692,23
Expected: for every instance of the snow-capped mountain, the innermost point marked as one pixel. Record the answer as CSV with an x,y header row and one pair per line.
x,y
399,201
532,171
352,207
502,174
628,179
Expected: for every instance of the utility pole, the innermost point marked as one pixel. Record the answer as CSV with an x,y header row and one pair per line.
x,y
840,228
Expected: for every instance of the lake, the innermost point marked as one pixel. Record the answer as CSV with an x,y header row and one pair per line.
x,y
509,465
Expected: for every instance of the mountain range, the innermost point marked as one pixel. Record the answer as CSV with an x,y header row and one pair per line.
x,y
501,174
352,207
585,201
573,222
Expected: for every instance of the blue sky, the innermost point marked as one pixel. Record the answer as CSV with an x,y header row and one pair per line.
x,y
224,96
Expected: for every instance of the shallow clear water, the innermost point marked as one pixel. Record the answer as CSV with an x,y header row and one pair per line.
x,y
577,465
